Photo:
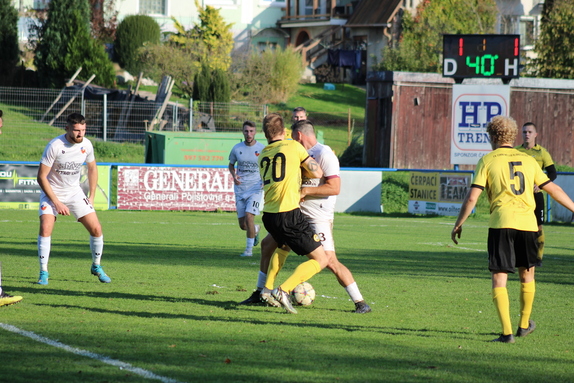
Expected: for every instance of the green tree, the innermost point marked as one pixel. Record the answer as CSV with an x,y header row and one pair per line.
x,y
133,32
9,50
65,44
216,36
202,84
419,47
219,89
554,45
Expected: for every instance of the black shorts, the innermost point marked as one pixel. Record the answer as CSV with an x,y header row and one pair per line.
x,y
539,209
511,248
291,228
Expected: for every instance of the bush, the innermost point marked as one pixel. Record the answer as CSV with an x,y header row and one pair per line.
x,y
132,33
395,195
352,157
161,60
271,76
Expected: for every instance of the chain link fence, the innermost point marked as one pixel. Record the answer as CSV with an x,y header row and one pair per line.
x,y
122,117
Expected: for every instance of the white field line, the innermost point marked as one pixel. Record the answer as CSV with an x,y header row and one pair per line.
x,y
122,365
451,244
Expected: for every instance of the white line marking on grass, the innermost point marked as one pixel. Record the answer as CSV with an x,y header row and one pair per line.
x,y
450,244
122,365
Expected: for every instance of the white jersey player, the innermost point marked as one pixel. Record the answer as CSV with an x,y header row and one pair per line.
x,y
59,178
248,186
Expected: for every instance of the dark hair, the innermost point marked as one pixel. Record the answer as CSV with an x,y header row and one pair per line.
x,y
75,118
303,126
248,123
530,124
1,113
273,125
299,109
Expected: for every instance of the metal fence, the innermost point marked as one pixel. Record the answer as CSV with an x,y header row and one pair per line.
x,y
121,117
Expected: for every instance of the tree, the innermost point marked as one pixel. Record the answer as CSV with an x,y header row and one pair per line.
x,y
65,44
133,32
216,36
202,84
554,45
9,50
419,47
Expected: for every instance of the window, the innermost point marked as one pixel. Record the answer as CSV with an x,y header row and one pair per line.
x,y
152,7
527,35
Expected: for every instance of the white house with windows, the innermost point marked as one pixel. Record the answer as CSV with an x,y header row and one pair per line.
x,y
281,22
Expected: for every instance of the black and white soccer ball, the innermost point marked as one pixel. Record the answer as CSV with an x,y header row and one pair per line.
x,y
303,294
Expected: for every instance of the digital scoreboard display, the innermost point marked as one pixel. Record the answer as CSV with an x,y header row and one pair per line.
x,y
485,56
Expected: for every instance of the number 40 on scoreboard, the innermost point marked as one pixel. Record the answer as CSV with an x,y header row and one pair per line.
x,y
486,56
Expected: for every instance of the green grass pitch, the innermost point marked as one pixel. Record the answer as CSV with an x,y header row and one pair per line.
x,y
171,315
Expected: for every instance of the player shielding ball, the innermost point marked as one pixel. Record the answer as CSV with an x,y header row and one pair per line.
x,y
59,178
508,175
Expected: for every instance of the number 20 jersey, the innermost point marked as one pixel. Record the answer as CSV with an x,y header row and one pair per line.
x,y
508,176
280,168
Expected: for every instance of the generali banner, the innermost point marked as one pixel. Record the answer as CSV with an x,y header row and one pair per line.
x,y
174,188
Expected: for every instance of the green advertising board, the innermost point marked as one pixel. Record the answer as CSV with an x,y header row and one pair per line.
x,y
193,148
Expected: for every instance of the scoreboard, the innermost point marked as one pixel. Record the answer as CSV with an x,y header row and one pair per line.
x,y
483,56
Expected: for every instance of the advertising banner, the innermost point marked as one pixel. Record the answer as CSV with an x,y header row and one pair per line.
x,y
175,188
437,193
473,106
20,190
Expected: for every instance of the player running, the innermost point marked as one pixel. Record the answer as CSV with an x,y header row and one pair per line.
x,y
247,184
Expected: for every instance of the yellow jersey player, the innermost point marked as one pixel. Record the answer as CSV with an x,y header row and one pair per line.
x,y
545,162
280,166
508,175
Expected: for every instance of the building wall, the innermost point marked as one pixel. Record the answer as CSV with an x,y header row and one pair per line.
x,y
408,120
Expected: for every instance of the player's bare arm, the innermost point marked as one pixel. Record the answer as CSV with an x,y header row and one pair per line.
x,y
42,179
467,206
312,167
92,180
231,168
332,186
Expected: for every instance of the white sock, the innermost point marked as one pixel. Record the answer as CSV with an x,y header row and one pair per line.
x,y
97,247
261,280
249,245
44,244
354,293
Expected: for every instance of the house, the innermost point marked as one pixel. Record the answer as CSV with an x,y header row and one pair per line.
x,y
314,27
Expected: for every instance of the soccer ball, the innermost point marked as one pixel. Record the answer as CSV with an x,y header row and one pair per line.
x,y
303,294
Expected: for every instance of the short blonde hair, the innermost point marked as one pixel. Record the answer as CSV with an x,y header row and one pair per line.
x,y
273,125
502,129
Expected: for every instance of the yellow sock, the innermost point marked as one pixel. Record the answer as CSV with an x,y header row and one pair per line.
x,y
527,291
275,265
540,244
302,273
502,304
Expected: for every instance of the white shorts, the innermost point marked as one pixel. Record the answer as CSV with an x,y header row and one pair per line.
x,y
324,229
251,203
78,204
